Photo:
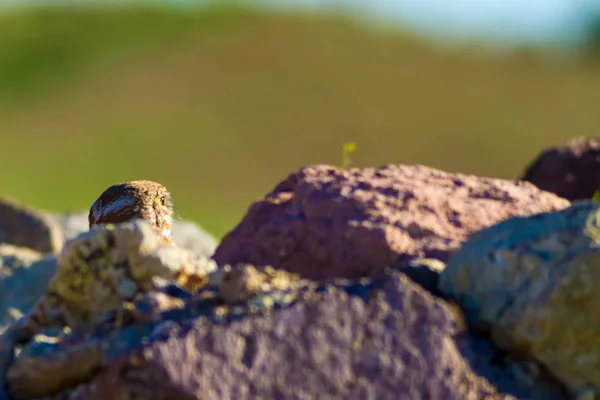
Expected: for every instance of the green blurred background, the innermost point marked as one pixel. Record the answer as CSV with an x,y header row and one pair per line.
x,y
220,103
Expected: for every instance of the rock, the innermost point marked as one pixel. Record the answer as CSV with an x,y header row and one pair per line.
x,y
12,257
192,237
24,275
243,283
325,222
113,274
72,224
425,272
186,234
381,337
532,283
51,375
571,171
25,227
107,267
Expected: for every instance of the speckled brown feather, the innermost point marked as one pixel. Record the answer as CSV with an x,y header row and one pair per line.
x,y
140,199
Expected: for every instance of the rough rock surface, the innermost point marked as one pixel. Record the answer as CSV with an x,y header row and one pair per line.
x,y
571,171
101,270
24,227
113,274
25,273
396,344
378,337
532,282
325,222
186,234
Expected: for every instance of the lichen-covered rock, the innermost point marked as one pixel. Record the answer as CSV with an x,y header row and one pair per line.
x,y
571,171
324,222
24,227
532,283
102,270
379,337
186,234
239,284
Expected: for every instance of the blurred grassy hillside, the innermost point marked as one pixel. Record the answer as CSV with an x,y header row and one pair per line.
x,y
221,104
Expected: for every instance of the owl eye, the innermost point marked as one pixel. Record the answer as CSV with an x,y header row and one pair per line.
x,y
162,200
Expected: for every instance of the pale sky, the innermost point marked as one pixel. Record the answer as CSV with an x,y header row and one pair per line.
x,y
499,20
503,20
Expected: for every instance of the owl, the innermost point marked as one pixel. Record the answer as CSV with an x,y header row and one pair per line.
x,y
140,199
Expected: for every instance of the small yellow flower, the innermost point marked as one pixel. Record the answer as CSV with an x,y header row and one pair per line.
x,y
347,149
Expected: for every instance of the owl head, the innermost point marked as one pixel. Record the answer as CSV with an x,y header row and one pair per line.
x,y
127,201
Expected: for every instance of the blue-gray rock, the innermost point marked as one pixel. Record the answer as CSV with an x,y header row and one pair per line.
x,y
191,236
12,257
24,274
532,283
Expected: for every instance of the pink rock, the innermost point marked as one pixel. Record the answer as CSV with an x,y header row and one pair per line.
x,y
571,171
324,222
395,342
